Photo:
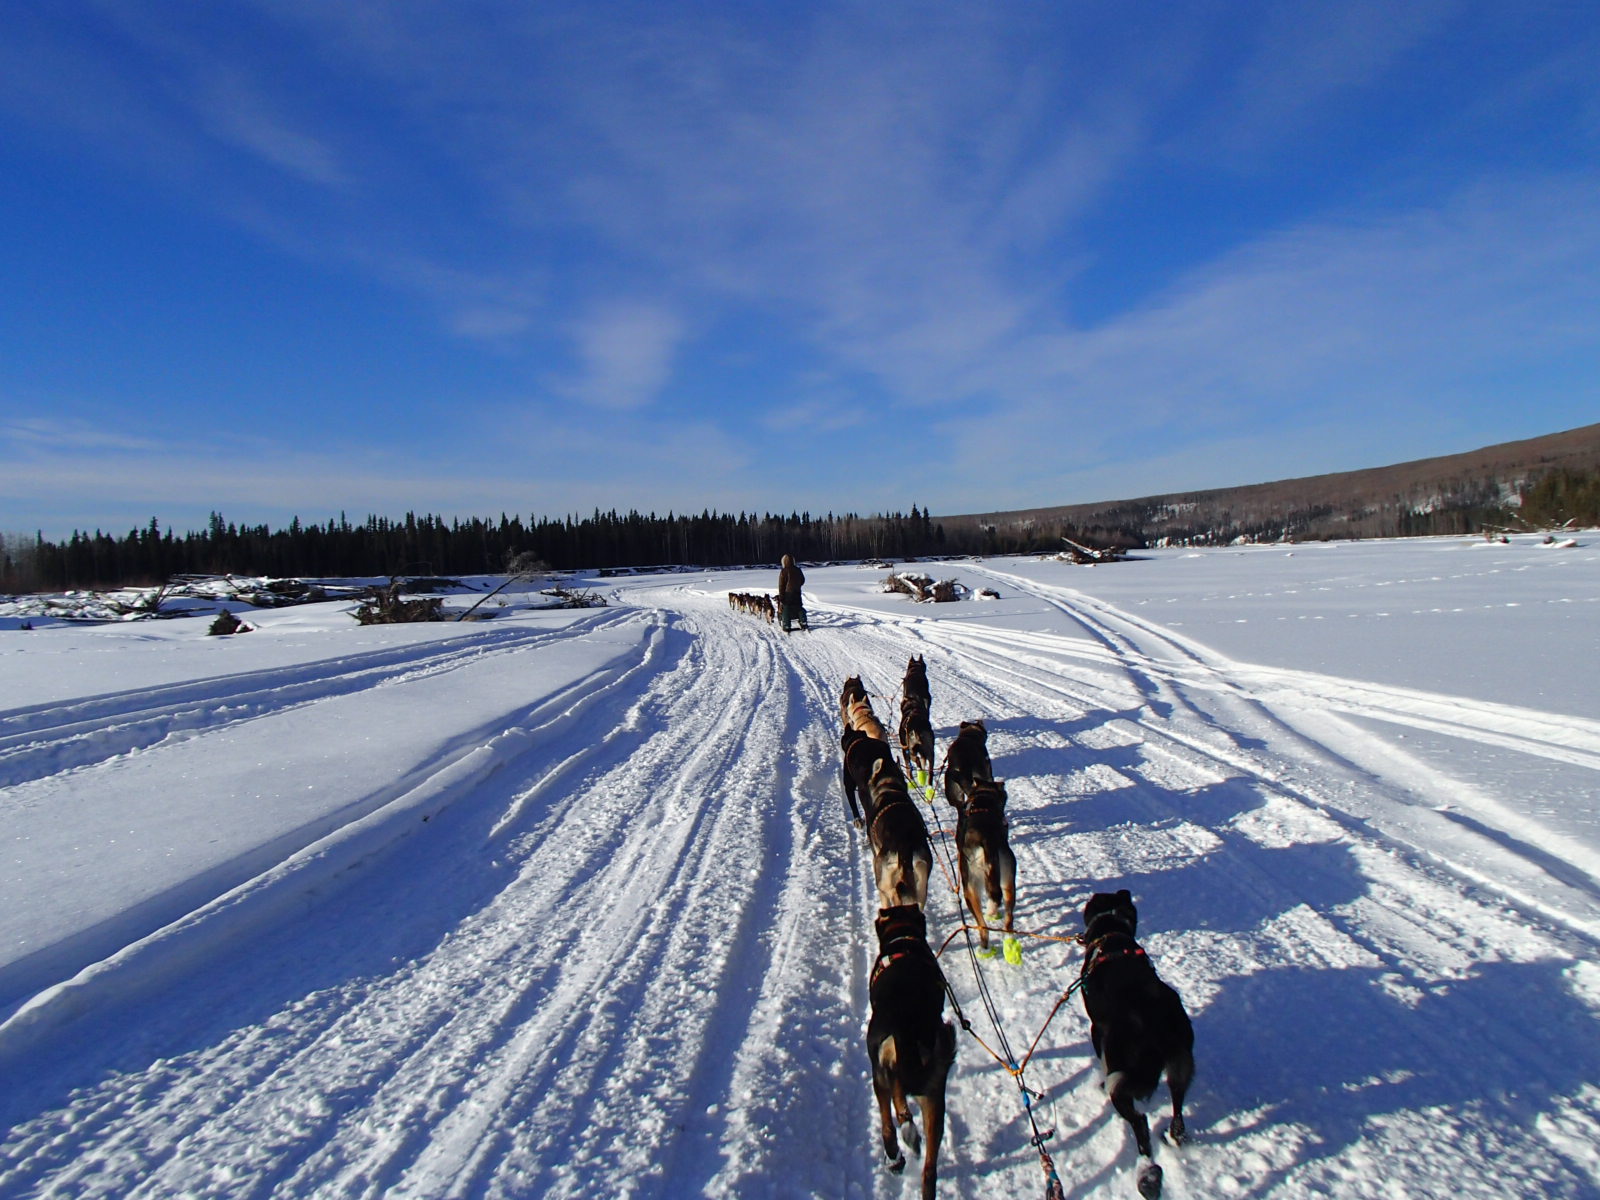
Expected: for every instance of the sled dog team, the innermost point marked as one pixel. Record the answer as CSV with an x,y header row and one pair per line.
x,y
1138,1028
753,604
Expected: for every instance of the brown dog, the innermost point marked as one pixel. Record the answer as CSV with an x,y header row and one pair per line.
x,y
901,856
911,1046
988,867
966,762
856,710
853,691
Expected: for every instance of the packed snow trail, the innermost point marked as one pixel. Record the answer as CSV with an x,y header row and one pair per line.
x,y
631,959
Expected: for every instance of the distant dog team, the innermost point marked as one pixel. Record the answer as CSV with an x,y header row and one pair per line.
x,y
761,605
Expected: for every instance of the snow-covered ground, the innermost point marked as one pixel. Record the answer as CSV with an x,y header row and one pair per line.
x,y
565,903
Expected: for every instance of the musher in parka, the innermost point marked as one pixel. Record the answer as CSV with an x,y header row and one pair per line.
x,y
790,580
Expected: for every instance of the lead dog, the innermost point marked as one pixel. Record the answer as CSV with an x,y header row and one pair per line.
x,y
988,867
916,682
966,761
910,1044
1136,1023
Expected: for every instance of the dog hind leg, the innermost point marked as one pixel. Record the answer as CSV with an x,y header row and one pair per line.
x,y
974,880
975,905
891,1147
849,786
1180,1073
933,1105
1120,1091
1149,1176
1008,884
954,794
921,868
933,1122
902,1112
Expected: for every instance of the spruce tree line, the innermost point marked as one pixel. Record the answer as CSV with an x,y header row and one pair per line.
x,y
432,545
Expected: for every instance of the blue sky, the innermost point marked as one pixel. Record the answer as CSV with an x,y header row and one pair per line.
x,y
305,257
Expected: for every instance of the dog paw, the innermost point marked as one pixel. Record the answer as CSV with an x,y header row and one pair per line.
x,y
1177,1132
910,1136
898,1165
1149,1181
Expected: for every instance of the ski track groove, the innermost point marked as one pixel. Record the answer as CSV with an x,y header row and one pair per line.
x,y
38,741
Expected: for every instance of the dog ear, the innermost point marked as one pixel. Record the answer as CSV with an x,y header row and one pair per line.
x,y
1125,895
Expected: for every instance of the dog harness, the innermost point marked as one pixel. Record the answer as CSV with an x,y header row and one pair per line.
x,y
886,957
976,804
1097,958
885,807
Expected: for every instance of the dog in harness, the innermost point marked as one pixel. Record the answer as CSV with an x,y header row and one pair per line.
x,y
966,761
988,867
901,856
1137,1024
911,1046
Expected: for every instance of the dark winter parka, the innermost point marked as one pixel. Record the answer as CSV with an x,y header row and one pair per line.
x,y
790,579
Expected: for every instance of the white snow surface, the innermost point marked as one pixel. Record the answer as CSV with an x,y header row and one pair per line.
x,y
565,903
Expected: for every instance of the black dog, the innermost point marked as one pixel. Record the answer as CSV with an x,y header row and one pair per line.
x,y
988,867
916,738
910,1044
1137,1023
915,683
862,753
966,761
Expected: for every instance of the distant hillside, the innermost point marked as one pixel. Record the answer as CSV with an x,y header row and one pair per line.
x,y
1541,481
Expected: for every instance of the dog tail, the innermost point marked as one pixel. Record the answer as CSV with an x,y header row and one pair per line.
x,y
905,882
889,1054
991,875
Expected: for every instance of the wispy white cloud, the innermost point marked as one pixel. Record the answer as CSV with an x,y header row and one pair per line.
x,y
237,112
624,351
1376,319
50,436
1304,55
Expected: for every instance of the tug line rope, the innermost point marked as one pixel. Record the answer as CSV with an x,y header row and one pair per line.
x,y
1006,1057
